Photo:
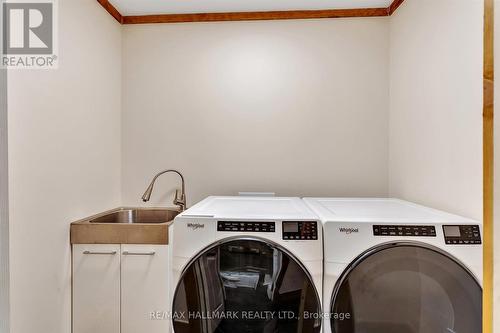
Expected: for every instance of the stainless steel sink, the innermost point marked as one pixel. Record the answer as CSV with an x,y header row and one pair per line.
x,y
137,215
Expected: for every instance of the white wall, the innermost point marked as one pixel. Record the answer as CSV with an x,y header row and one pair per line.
x,y
292,107
64,160
436,104
4,208
4,202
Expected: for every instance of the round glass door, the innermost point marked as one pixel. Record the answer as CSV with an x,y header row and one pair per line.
x,y
247,286
406,288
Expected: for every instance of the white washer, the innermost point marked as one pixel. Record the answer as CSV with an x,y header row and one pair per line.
x,y
247,264
395,267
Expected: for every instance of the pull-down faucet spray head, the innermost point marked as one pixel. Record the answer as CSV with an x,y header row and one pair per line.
x,y
179,201
147,195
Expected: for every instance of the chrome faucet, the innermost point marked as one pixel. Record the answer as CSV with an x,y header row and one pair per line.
x,y
179,201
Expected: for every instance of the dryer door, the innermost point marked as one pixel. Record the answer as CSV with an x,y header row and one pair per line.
x,y
245,285
406,288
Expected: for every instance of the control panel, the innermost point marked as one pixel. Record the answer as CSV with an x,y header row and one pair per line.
x,y
461,234
404,230
245,226
300,230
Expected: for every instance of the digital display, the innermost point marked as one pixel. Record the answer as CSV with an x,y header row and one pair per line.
x,y
451,231
290,227
300,230
462,234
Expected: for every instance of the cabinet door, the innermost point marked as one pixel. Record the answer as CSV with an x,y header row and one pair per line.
x,y
145,285
96,288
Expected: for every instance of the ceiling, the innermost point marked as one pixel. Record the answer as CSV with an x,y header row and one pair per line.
x,y
151,7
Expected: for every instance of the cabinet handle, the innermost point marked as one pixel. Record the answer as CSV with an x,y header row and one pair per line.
x,y
105,253
127,253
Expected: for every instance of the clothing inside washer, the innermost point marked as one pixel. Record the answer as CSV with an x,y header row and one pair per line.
x,y
246,286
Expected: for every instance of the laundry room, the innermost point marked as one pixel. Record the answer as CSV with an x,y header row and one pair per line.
x,y
248,166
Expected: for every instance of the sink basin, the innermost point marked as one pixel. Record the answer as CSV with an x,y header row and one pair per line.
x,y
125,225
139,215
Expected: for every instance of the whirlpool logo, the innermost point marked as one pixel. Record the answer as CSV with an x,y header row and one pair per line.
x,y
348,231
195,226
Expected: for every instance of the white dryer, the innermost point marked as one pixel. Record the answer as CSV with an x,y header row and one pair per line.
x,y
395,267
247,264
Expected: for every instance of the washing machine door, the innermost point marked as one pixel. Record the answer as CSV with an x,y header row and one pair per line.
x,y
406,288
248,286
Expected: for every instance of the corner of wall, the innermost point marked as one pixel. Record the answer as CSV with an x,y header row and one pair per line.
x,y
122,61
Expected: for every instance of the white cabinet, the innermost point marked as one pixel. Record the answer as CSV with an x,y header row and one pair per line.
x,y
144,289
120,288
96,288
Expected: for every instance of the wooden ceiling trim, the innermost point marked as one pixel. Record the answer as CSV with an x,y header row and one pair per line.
x,y
394,6
111,10
251,16
254,16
